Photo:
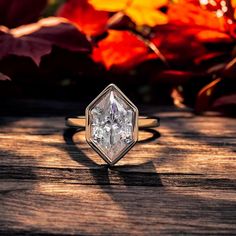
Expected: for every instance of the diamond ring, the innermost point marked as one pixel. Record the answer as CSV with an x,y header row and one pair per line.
x,y
111,124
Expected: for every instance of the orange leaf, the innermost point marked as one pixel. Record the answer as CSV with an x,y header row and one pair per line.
x,y
210,16
233,3
213,36
141,12
121,49
89,20
195,15
108,5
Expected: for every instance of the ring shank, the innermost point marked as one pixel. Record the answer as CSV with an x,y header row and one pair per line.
x,y
143,122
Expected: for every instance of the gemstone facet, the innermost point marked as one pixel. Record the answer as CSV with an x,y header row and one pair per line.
x,y
112,127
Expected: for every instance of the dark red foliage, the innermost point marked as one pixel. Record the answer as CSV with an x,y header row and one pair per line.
x,y
36,40
190,59
14,13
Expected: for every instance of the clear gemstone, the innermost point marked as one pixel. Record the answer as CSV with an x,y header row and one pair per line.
x,y
112,123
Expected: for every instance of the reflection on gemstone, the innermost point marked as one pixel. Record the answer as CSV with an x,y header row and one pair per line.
x,y
112,123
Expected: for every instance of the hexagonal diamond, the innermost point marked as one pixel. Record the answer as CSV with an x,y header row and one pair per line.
x,y
112,124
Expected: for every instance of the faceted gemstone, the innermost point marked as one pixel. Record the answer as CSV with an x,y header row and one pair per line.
x,y
112,122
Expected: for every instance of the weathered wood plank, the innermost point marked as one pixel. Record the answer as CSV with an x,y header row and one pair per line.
x,y
34,207
201,146
116,176
181,182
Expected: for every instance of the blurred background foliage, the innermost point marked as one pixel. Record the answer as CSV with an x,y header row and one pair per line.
x,y
160,52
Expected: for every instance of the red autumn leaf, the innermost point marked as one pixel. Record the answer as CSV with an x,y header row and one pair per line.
x,y
190,27
4,77
195,15
178,43
89,20
185,42
14,13
215,17
210,28
232,29
121,49
36,40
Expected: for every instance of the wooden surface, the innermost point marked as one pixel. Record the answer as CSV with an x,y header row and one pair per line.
x,y
181,181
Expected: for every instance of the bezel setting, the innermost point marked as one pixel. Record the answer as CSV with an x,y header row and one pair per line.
x,y
88,130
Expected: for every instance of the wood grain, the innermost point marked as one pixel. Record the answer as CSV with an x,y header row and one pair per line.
x,y
183,181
